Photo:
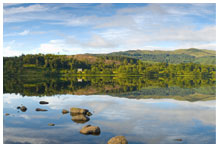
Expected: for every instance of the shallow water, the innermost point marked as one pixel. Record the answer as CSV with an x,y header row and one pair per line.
x,y
140,121
142,112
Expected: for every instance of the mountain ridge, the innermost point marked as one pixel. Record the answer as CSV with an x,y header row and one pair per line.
x,y
202,56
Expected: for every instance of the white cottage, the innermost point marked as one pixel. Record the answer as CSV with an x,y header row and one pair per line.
x,y
80,70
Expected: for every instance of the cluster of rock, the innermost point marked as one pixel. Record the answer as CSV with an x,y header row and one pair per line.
x,y
24,109
78,115
42,103
81,116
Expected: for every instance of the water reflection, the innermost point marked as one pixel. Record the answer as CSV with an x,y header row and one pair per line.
x,y
144,110
180,88
141,121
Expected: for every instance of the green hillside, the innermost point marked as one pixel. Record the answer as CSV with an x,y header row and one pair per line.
x,y
206,60
196,52
201,56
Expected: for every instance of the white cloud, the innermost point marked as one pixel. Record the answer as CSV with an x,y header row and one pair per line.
x,y
11,4
112,40
57,47
71,46
15,48
185,37
150,8
170,9
25,32
53,46
99,42
186,34
8,51
22,9
128,28
211,46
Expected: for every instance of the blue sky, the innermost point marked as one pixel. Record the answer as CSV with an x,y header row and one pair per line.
x,y
103,28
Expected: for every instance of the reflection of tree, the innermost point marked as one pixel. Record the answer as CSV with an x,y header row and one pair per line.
x,y
41,85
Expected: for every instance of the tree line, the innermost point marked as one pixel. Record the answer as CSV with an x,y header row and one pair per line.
x,y
104,64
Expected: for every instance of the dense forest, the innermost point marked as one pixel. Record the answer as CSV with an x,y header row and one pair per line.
x,y
99,65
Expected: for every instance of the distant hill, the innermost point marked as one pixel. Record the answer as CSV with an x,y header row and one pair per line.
x,y
195,52
201,56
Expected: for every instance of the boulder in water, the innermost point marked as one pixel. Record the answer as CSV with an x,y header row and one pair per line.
x,y
44,102
39,109
88,113
51,124
6,114
78,110
23,109
80,118
118,140
88,129
64,111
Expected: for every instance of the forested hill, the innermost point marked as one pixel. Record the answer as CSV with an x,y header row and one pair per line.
x,y
98,65
193,55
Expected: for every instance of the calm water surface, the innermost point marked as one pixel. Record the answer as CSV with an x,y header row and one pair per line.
x,y
152,119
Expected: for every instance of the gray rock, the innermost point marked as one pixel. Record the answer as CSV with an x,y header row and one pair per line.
x,y
6,114
39,109
88,129
51,124
88,113
118,140
80,118
44,102
78,110
23,109
64,111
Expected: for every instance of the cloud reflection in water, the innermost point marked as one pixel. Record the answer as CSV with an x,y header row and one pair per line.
x,y
141,121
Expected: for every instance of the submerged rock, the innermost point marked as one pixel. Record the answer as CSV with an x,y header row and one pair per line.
x,y
78,110
80,118
39,109
179,139
44,102
88,113
64,111
23,109
118,140
51,124
88,129
6,114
